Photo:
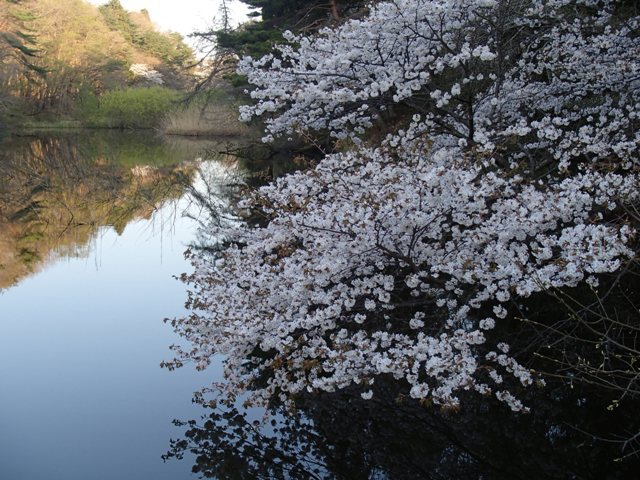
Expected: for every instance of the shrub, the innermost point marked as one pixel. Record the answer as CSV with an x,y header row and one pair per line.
x,y
137,107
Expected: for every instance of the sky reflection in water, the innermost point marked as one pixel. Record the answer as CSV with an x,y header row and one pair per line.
x,y
82,395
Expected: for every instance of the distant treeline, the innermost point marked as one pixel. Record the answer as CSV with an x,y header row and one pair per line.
x,y
58,57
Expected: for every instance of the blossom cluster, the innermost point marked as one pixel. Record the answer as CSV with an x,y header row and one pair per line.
x,y
528,80
339,79
146,72
511,178
363,254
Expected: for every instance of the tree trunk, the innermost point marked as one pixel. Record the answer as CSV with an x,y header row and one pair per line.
x,y
334,9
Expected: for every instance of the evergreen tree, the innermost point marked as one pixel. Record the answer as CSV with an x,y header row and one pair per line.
x,y
117,18
139,31
257,38
16,38
18,50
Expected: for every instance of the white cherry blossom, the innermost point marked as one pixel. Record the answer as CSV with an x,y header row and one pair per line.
x,y
510,176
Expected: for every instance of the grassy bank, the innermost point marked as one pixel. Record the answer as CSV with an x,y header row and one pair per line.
x,y
134,108
212,115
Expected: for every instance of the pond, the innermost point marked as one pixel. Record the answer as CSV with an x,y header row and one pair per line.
x,y
92,233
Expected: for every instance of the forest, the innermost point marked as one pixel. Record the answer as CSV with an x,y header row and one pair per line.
x,y
69,63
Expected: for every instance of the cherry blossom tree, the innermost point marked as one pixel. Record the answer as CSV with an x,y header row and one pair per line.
x,y
510,170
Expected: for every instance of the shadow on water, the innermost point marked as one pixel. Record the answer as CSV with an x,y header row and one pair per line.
x,y
91,234
57,191
572,431
341,436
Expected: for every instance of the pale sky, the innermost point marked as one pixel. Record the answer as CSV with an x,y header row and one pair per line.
x,y
183,16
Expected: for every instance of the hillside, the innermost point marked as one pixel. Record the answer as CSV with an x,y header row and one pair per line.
x,y
56,53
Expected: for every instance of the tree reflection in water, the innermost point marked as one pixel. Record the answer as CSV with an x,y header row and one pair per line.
x,y
574,431
57,191
341,436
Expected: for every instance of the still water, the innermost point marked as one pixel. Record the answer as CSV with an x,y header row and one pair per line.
x,y
92,231
91,234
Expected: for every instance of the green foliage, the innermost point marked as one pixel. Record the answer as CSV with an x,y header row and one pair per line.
x,y
258,37
254,39
137,107
117,18
132,108
87,105
139,31
170,48
281,9
27,256
56,56
17,41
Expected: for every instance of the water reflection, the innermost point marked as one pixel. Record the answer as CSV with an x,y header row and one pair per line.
x,y
341,436
56,192
82,395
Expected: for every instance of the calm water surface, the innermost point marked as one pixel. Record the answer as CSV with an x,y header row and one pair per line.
x,y
91,233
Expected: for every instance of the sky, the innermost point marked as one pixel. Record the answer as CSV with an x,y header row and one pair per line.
x,y
183,16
